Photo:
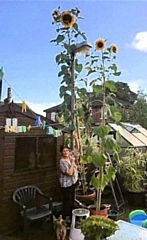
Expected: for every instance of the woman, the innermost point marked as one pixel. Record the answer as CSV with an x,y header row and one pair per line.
x,y
68,178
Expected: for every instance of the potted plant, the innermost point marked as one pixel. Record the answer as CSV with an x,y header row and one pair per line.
x,y
103,89
76,104
98,227
74,97
85,193
133,170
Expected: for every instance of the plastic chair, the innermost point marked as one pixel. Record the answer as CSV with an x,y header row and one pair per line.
x,y
144,223
137,217
25,197
136,212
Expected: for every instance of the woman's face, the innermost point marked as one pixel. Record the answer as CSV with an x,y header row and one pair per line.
x,y
65,152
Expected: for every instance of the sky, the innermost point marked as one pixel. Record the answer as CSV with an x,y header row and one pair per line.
x,y
28,57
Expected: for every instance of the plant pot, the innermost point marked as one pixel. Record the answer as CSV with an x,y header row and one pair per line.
x,y
103,210
113,214
90,194
77,216
136,198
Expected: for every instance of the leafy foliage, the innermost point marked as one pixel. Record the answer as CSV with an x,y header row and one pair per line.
x,y
100,69
133,168
98,227
138,111
124,92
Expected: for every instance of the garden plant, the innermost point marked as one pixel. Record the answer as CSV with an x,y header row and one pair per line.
x,y
95,73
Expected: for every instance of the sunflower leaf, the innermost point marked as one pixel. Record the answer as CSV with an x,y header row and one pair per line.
x,y
60,38
78,67
83,35
75,26
117,73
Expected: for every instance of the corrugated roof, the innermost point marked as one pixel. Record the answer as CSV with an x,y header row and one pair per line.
x,y
137,127
142,130
127,135
141,137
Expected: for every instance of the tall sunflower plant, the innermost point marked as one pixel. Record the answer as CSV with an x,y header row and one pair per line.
x,y
100,67
68,36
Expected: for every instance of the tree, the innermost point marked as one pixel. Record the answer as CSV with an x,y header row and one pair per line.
x,y
124,92
138,111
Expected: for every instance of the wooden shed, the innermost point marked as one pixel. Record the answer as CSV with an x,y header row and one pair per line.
x,y
29,155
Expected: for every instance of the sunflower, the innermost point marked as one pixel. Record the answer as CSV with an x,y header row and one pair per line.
x,y
56,16
99,44
88,69
67,19
113,48
55,12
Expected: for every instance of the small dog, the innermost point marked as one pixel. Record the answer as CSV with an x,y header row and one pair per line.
x,y
60,227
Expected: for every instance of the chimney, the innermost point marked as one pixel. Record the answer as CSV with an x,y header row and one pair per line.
x,y
7,100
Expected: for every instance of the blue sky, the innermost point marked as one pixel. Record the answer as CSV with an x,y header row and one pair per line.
x,y
28,57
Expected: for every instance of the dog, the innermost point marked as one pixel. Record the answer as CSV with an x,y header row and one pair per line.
x,y
60,228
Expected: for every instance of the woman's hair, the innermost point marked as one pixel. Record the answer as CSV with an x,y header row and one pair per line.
x,y
62,147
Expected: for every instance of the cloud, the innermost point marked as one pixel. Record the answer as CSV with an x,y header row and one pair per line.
x,y
135,85
140,41
39,107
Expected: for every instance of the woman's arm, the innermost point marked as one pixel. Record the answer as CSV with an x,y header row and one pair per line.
x,y
76,141
76,148
70,170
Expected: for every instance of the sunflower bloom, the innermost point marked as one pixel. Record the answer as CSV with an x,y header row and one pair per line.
x,y
56,16
67,19
55,13
99,44
113,49
88,69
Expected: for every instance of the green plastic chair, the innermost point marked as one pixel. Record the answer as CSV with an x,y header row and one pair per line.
x,y
26,198
136,212
144,224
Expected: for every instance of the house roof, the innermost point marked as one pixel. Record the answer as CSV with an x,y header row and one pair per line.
x,y
14,110
56,108
95,103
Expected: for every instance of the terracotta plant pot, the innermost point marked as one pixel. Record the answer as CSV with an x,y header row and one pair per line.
x,y
103,210
90,194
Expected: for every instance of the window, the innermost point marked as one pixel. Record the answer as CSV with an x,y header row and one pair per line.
x,y
46,151
11,122
25,152
53,116
31,152
105,113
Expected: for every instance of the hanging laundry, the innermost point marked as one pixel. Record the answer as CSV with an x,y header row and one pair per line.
x,y
24,106
6,128
43,124
29,128
24,129
38,121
